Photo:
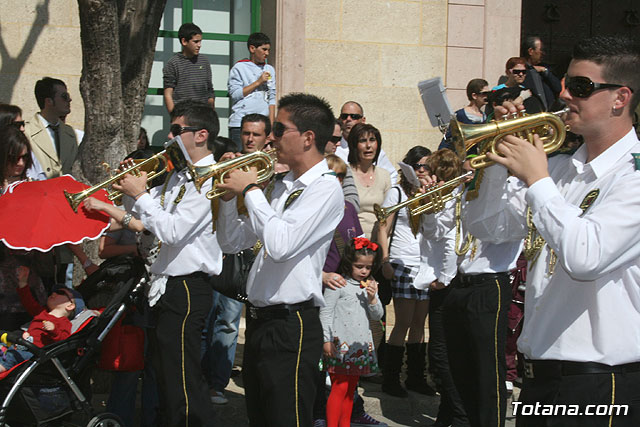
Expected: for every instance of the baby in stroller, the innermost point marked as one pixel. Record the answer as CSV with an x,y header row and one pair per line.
x,y
50,324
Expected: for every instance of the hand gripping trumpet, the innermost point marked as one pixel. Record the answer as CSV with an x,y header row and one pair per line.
x,y
431,201
264,161
155,166
548,126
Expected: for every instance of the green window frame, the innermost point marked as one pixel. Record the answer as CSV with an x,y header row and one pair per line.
x,y
187,16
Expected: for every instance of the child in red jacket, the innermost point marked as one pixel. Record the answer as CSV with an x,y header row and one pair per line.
x,y
50,324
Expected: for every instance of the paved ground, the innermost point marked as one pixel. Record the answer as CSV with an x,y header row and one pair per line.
x,y
416,410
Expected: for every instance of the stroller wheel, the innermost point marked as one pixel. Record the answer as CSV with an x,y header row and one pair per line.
x,y
106,419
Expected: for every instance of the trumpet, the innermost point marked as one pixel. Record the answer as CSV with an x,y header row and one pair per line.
x,y
436,198
263,160
150,165
549,126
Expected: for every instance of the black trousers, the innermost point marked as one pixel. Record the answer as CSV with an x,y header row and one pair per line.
x,y
600,390
280,369
451,410
475,321
183,390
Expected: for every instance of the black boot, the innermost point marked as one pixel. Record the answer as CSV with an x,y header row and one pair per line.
x,y
392,366
416,380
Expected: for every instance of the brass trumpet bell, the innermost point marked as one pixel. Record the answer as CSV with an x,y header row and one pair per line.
x,y
154,166
548,126
264,161
431,201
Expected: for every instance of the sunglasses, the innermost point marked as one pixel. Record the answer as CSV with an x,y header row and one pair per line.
x,y
419,166
15,159
521,72
176,129
18,124
583,87
62,292
335,139
345,116
279,129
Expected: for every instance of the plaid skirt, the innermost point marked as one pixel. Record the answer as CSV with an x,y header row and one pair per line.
x,y
402,283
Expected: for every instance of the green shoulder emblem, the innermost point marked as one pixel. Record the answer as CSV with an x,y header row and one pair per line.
x,y
636,160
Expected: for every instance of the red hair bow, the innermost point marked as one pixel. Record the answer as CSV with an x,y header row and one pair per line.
x,y
362,242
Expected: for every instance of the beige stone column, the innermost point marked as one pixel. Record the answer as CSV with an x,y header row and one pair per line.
x,y
290,46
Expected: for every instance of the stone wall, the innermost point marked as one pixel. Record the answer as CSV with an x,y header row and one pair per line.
x,y
40,38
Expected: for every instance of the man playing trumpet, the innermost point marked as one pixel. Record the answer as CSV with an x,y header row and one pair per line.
x,y
583,289
295,219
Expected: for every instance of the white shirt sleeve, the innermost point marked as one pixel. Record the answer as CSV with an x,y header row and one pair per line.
x,y
234,232
385,163
176,227
300,226
602,240
498,214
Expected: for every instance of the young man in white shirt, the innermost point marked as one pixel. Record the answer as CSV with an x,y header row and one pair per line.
x,y
180,217
583,289
294,219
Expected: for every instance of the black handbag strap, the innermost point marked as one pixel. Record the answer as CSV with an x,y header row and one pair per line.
x,y
395,219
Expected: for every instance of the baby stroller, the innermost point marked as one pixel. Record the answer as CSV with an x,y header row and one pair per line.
x,y
53,387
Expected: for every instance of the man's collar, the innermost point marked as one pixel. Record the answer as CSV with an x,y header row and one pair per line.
x,y
607,159
45,122
344,143
308,177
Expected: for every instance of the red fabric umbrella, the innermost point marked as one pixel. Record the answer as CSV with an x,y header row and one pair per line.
x,y
36,215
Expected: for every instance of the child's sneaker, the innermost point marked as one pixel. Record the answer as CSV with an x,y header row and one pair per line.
x,y
218,398
366,420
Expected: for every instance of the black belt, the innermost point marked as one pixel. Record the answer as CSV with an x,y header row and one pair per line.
x,y
558,368
196,275
474,279
279,311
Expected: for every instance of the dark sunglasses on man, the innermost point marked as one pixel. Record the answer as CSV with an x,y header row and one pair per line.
x,y
176,129
583,87
345,116
335,139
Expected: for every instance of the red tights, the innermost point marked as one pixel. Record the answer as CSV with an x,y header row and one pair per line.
x,y
340,402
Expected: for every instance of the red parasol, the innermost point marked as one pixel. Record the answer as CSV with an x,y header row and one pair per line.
x,y
36,215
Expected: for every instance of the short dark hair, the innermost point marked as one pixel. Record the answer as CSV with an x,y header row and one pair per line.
x,y
258,39
351,254
13,142
187,31
8,114
528,42
359,130
475,86
412,157
619,57
46,88
254,118
222,145
310,113
200,115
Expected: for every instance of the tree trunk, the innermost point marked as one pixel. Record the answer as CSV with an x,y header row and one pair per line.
x,y
118,44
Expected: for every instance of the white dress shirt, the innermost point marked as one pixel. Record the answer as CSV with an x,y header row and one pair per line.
x,y
296,240
342,151
185,228
438,259
589,309
498,226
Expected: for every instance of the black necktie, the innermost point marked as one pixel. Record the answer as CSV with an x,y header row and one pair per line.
x,y
56,137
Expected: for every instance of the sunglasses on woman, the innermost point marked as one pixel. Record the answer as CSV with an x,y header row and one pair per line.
x,y
583,87
521,72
